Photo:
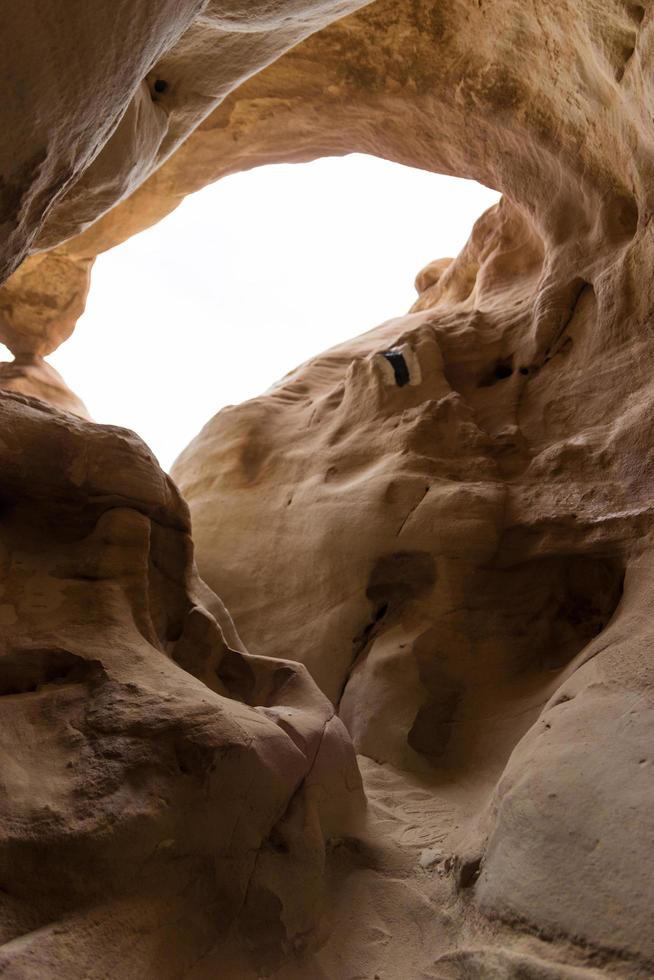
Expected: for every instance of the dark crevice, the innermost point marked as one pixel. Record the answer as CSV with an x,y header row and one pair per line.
x,y
363,638
396,579
412,511
361,642
28,671
399,365
467,872
501,370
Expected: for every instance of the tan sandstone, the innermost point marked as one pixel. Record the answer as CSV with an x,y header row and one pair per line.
x,y
434,541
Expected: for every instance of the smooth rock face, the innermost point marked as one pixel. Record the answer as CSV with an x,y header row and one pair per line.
x,y
435,540
34,376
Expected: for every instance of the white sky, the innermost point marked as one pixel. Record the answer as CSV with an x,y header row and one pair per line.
x,y
250,277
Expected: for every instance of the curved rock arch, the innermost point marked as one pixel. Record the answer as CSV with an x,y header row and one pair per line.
x,y
473,90
514,464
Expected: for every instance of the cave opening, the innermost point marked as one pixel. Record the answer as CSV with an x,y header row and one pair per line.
x,y
250,277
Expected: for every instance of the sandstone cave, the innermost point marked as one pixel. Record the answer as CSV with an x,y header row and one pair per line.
x,y
360,691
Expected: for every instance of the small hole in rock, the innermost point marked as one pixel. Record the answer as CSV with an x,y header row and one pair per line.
x,y
524,370
500,371
468,872
160,85
399,365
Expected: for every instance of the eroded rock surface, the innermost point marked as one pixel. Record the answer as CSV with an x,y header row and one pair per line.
x,y
548,103
453,533
435,540
97,97
153,779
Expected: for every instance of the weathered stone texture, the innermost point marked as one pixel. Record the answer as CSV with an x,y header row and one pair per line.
x,y
434,541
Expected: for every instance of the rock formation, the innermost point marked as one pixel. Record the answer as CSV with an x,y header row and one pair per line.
x,y
435,541
161,791
31,375
450,536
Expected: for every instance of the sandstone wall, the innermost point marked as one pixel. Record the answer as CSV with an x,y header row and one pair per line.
x,y
434,540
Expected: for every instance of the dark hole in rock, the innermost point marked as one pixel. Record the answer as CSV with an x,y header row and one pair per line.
x,y
467,872
399,365
524,370
501,370
160,85
27,671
